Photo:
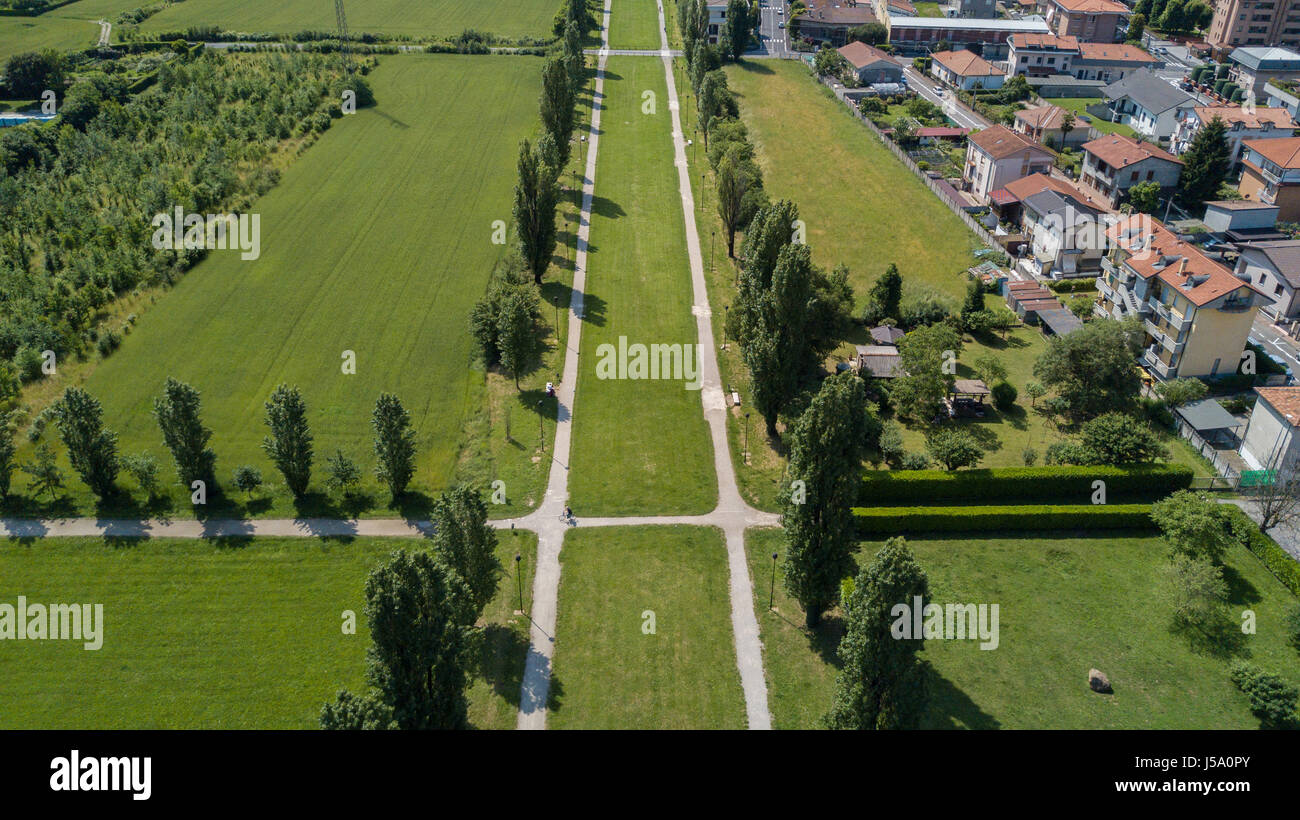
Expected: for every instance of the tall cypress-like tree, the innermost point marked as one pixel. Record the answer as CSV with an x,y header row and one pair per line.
x,y
418,660
517,331
466,543
826,449
536,197
7,463
177,411
394,444
289,446
557,104
776,345
882,682
735,31
1205,164
91,448
771,229
737,177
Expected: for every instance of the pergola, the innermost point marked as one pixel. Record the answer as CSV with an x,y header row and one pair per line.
x,y
1208,418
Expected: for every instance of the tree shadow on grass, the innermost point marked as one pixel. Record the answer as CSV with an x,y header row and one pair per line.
x,y
593,309
1240,590
1222,639
754,67
608,208
503,651
951,708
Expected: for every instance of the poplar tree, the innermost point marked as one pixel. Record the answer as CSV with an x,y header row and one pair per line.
x,y
536,195
177,411
92,450
289,446
466,543
394,444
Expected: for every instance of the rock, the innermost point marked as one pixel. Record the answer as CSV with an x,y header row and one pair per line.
x,y
1098,682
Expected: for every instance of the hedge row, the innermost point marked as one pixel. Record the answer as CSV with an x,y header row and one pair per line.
x,y
1277,560
1016,485
1072,285
889,521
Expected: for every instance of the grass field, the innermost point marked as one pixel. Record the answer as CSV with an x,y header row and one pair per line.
x,y
609,672
235,634
1079,106
1067,604
381,250
635,23
410,18
640,446
51,30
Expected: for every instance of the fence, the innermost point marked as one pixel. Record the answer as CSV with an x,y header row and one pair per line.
x,y
955,207
1227,477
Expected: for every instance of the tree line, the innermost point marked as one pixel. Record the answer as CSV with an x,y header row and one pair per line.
x,y
93,451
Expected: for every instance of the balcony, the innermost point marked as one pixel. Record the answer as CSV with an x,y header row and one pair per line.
x,y
1152,361
1167,341
1178,323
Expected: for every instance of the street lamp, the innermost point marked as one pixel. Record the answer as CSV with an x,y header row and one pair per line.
x,y
519,581
771,593
726,315
541,426
746,438
713,234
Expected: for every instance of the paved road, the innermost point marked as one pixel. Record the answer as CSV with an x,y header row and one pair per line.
x,y
1274,340
772,36
923,85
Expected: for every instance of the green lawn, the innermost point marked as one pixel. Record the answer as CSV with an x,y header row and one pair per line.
x,y
378,241
229,634
640,445
1079,106
23,34
635,23
1067,604
406,18
928,10
609,672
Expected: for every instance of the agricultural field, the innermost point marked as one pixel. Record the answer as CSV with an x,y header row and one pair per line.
x,y
640,445
378,240
610,671
1066,604
416,19
223,634
51,30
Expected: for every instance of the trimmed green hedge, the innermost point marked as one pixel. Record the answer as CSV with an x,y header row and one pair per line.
x,y
1016,485
897,520
1277,560
1072,285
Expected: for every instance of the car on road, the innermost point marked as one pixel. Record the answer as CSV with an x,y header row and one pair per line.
x,y
938,89
781,24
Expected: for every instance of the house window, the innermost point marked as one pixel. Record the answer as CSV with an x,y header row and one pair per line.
x,y
1133,177
1150,175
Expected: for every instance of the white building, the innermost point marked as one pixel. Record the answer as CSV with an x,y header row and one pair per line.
x,y
1244,123
1270,439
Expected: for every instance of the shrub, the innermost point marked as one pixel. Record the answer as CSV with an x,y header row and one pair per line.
x,y
1023,483
1072,285
872,521
915,461
1029,455
107,342
1004,396
1277,560
1293,627
1272,699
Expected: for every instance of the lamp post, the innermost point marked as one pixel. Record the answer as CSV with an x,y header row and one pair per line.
x,y
746,438
713,234
519,581
726,315
541,427
771,593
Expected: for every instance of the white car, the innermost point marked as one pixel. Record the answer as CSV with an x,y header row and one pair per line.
x,y
781,24
938,89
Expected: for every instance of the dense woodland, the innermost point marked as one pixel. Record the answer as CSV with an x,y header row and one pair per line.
x,y
77,194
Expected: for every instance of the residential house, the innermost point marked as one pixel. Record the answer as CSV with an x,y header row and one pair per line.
x,y
1254,23
870,64
1047,124
879,361
1242,220
1110,62
1114,163
1270,173
1196,314
717,19
966,70
1095,21
829,21
1067,236
1040,55
1270,441
1148,104
1007,202
1254,66
1243,123
919,35
1274,268
998,155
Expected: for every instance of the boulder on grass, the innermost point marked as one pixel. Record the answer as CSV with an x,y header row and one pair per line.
x,y
1098,682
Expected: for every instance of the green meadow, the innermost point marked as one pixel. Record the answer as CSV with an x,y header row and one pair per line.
x,y
1067,603
640,446
644,632
377,241
634,24
222,634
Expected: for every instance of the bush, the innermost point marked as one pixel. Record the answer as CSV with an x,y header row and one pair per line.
x,y
108,342
1072,285
1004,396
1293,627
1272,699
915,461
890,521
1023,484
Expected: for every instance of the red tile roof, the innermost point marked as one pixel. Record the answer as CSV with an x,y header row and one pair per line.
x,y
1285,400
1256,118
1047,117
1114,52
966,64
1283,152
1119,151
1093,6
861,55
1001,142
1177,260
1035,39
1026,187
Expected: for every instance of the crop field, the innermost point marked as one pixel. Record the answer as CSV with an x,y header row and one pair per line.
x,y
1066,604
228,634
23,34
411,18
640,445
378,240
644,632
